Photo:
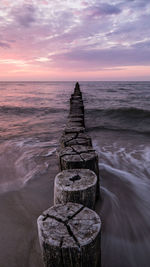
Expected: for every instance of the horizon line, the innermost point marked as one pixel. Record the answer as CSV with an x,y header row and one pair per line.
x,y
75,81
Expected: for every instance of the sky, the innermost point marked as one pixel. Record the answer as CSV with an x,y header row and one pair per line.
x,y
48,40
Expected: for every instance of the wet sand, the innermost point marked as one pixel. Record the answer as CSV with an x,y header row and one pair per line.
x,y
19,210
124,240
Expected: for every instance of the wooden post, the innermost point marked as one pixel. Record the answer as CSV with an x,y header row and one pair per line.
x,y
80,157
74,106
76,119
77,185
75,139
76,115
71,129
70,236
77,90
74,101
69,233
74,124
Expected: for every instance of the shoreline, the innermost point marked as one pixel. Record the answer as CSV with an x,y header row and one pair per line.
x,y
19,211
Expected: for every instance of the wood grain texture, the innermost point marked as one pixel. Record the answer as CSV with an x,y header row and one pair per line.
x,y
70,236
77,185
80,157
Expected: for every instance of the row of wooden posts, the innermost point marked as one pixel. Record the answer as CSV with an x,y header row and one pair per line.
x,y
70,231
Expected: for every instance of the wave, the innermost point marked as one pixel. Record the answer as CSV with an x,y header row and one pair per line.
x,y
125,119
132,111
28,110
97,128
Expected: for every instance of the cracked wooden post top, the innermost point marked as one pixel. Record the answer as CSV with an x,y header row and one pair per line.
x,y
75,101
76,105
74,124
75,139
76,185
79,157
76,120
76,115
69,236
76,110
74,129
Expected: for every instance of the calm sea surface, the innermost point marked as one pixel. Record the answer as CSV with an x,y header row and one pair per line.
x,y
32,117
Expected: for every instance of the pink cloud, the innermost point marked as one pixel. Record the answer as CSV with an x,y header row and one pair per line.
x,y
72,37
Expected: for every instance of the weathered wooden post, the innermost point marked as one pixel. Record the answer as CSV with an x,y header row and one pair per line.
x,y
74,124
76,119
75,139
77,91
69,232
76,106
77,185
74,129
70,236
79,157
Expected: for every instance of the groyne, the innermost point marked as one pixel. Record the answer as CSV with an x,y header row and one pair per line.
x,y
70,231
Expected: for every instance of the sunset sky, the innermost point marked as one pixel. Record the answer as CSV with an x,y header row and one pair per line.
x,y
74,40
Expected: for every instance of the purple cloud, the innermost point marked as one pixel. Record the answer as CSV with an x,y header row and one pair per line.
x,y
101,10
140,4
102,58
141,45
24,15
130,32
94,34
4,45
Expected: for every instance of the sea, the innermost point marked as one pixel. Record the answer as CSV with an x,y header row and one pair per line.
x,y
117,117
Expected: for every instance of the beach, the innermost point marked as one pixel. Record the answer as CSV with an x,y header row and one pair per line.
x,y
33,116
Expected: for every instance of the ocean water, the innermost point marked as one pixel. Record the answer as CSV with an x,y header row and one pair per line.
x,y
117,115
